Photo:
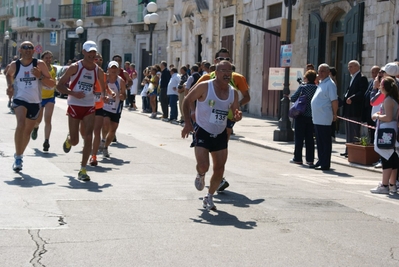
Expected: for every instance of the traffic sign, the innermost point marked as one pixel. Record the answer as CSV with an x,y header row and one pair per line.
x,y
276,78
38,49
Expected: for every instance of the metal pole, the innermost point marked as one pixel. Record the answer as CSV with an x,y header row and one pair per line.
x,y
151,26
284,131
6,52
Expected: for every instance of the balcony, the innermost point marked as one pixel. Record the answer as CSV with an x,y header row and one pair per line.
x,y
6,12
19,23
100,9
71,13
45,24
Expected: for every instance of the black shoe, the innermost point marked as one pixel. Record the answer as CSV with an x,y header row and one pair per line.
x,y
344,154
320,168
34,133
114,141
46,146
223,185
314,166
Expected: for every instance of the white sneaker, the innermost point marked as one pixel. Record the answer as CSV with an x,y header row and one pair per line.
x,y
380,189
378,165
207,203
101,147
393,188
199,182
105,152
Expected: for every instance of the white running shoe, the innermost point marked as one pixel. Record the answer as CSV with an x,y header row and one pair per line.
x,y
380,189
199,182
393,188
207,203
105,152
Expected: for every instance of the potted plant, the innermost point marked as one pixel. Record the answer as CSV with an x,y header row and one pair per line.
x,y
40,24
362,152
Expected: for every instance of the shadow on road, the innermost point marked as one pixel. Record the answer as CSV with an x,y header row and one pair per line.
x,y
89,186
25,180
114,161
238,200
222,218
120,145
40,153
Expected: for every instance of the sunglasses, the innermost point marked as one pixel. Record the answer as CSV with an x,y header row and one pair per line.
x,y
223,58
27,47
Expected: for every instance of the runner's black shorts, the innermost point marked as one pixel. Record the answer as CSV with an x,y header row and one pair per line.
x,y
202,138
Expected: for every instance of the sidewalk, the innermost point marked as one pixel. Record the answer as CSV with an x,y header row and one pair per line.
x,y
259,131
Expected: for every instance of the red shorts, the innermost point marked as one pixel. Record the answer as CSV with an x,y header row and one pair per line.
x,y
77,112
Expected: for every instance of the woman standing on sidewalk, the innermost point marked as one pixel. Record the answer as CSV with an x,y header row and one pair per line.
x,y
303,123
387,118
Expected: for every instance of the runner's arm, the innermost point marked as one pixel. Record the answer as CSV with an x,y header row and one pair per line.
x,y
61,86
44,75
10,71
129,81
122,95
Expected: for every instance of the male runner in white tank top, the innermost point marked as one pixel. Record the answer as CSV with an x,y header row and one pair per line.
x,y
24,84
81,77
214,99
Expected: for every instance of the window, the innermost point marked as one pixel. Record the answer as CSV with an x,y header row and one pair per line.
x,y
40,11
275,11
228,22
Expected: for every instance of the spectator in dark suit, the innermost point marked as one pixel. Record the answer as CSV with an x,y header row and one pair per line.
x,y
354,102
367,107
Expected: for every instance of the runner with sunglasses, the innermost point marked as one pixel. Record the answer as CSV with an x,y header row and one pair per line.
x,y
239,83
25,78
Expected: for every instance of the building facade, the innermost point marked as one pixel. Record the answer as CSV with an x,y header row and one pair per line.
x,y
189,31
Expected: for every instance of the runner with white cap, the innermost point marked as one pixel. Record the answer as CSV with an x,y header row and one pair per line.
x,y
82,77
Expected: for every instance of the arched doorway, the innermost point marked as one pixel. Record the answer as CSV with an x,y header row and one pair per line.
x,y
336,39
105,52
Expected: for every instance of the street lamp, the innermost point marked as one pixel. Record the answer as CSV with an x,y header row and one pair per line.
x,y
151,20
79,31
284,131
7,38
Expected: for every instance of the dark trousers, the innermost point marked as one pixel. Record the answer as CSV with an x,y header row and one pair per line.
x,y
173,106
163,98
304,130
146,103
324,144
352,130
127,102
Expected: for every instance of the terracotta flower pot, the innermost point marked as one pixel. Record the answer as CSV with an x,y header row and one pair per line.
x,y
360,154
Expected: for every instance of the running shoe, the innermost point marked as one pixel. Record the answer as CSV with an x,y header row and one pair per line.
x,y
199,182
223,185
393,188
101,147
207,203
380,189
105,152
17,166
115,141
46,146
34,133
9,104
83,175
67,146
93,161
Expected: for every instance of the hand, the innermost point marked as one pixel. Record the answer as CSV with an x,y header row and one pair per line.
x,y
78,95
335,117
237,115
348,101
188,127
36,72
10,91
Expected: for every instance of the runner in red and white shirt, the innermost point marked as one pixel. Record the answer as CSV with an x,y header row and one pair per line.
x,y
82,77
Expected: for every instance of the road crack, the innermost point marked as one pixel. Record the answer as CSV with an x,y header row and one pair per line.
x,y
40,249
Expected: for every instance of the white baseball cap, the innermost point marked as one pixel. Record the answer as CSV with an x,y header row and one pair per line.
x,y
90,46
113,63
392,69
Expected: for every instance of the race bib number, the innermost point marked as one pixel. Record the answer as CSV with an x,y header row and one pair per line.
x,y
218,116
111,103
97,96
85,87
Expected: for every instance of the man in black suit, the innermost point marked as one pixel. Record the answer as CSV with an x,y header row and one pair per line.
x,y
354,102
367,107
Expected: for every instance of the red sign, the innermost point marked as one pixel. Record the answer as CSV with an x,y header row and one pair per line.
x,y
38,49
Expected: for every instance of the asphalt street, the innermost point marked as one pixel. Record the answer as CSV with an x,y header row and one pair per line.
x,y
141,207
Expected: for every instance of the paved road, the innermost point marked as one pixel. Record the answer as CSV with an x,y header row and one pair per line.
x,y
141,207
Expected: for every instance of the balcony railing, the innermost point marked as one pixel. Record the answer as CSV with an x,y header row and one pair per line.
x,y
6,12
19,22
71,12
47,23
100,9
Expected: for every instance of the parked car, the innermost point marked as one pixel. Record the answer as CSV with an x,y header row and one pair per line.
x,y
60,71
